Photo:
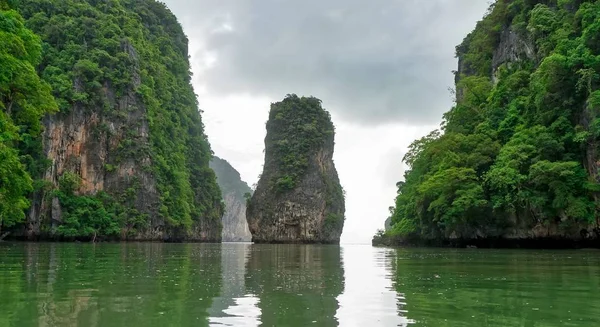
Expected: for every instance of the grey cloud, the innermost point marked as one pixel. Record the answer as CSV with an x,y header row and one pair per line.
x,y
370,61
391,167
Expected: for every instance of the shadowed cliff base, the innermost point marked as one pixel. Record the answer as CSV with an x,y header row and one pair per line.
x,y
296,242
167,238
490,242
298,198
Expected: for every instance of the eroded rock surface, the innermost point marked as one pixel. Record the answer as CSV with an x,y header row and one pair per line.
x,y
298,198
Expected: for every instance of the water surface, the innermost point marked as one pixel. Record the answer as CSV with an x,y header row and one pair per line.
x,y
154,284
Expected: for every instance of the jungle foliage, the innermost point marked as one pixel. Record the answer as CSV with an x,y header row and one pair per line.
x,y
79,53
24,100
520,146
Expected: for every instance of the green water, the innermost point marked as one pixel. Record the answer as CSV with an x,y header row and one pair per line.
x,y
290,285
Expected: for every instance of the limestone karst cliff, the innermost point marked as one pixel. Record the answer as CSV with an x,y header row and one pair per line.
x,y
517,162
298,198
125,156
235,192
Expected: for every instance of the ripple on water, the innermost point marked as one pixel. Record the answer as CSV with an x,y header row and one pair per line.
x,y
244,312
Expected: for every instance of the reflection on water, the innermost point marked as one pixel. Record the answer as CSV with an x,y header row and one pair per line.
x,y
244,312
157,284
369,297
446,287
297,284
233,306
107,285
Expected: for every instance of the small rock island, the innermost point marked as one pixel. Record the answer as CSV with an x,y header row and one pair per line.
x,y
298,198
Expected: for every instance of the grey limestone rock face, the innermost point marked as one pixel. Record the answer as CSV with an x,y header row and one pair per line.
x,y
513,48
234,190
292,204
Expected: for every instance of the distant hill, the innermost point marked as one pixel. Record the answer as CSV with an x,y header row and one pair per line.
x,y
235,226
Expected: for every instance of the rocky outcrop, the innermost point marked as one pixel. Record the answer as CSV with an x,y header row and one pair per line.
x,y
129,138
513,47
508,46
235,191
89,144
298,198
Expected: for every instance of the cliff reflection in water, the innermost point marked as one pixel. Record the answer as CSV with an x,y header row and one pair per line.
x,y
148,284
234,306
473,288
297,284
155,284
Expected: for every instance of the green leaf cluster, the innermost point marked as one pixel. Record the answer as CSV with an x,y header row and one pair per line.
x,y
24,100
520,147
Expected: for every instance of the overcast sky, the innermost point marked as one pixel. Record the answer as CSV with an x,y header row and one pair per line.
x,y
381,67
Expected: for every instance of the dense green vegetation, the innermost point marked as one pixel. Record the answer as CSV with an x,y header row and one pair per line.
x,y
520,147
24,99
89,54
88,216
299,127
